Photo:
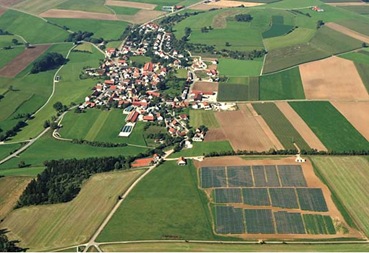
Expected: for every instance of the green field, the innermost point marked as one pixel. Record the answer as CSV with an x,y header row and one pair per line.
x,y
233,92
27,98
166,202
362,10
10,190
24,172
298,36
232,247
85,5
203,148
363,70
98,125
7,56
202,117
318,224
282,85
361,56
232,67
347,179
124,10
280,126
326,42
358,25
37,6
5,150
39,152
6,40
67,224
331,127
34,30
70,81
106,29
278,28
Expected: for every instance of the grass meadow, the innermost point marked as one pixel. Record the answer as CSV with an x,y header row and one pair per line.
x,y
5,150
203,148
62,225
10,190
85,5
124,10
347,179
359,25
232,67
195,247
282,85
22,172
280,126
167,202
202,117
33,29
361,56
7,56
363,70
239,89
39,152
362,10
107,29
331,127
297,36
37,6
70,81
29,92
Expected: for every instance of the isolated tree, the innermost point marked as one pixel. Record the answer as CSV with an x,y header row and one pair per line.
x,y
227,44
58,106
15,41
46,123
21,164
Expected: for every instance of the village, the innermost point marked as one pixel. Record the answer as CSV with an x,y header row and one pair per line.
x,y
138,90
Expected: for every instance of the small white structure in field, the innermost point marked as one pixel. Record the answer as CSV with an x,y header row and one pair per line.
x,y
299,159
181,161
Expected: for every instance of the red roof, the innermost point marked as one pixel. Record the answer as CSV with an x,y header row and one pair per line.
x,y
109,82
132,117
142,162
113,87
148,67
110,50
148,117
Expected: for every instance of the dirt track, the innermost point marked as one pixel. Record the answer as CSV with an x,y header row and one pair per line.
x,y
22,61
312,181
332,78
348,32
144,6
299,124
357,113
54,13
245,131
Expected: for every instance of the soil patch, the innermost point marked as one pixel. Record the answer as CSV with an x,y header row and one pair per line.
x,y
312,181
357,114
348,32
216,134
244,131
206,86
144,6
332,78
54,13
301,127
2,11
22,61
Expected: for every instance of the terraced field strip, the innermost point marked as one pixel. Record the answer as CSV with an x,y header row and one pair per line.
x,y
347,177
334,130
280,126
61,225
97,126
301,127
347,31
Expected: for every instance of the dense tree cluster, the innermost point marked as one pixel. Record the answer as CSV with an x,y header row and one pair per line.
x,y
62,179
49,61
243,18
79,36
6,245
12,132
3,32
98,143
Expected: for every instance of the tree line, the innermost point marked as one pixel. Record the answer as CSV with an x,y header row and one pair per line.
x,y
49,61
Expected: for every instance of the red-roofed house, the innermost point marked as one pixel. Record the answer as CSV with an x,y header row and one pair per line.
x,y
148,67
109,82
148,118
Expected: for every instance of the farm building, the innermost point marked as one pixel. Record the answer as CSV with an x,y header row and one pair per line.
x,y
181,161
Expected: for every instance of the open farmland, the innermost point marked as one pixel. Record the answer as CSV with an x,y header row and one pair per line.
x,y
129,4
332,78
10,190
202,148
8,55
301,127
232,67
106,29
331,127
349,32
361,57
5,150
326,42
277,28
297,36
347,178
41,151
66,224
55,13
85,5
202,117
239,89
37,6
358,25
33,29
278,196
356,113
163,211
281,127
247,131
282,85
22,61
363,70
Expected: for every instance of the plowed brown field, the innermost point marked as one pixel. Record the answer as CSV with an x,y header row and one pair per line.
x,y
22,61
332,78
206,86
54,13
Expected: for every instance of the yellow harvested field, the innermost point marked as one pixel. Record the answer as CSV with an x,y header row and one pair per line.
x,y
10,190
348,178
348,32
301,127
54,13
357,113
47,227
332,78
224,4
144,6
